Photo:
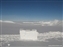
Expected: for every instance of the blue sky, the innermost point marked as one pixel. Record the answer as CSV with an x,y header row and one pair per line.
x,y
29,10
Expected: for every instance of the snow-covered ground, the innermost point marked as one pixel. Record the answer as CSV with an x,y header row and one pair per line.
x,y
40,37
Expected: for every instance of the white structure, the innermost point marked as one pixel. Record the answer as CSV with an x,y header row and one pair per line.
x,y
28,35
8,45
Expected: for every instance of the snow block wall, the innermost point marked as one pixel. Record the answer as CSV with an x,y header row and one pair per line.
x,y
28,35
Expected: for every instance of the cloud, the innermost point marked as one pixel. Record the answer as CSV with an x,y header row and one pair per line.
x,y
0,20
41,23
7,21
29,22
51,23
47,23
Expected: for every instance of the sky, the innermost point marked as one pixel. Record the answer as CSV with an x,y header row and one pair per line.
x,y
31,10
